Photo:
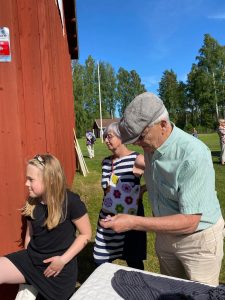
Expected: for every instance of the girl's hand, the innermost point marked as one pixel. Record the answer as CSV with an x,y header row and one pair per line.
x,y
55,267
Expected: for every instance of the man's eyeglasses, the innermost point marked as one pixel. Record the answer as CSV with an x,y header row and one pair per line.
x,y
40,159
142,135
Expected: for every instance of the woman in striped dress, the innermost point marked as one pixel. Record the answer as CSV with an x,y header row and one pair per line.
x,y
121,174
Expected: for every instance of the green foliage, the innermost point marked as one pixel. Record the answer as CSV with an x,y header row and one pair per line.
x,y
172,94
115,90
128,87
188,128
108,89
202,99
206,83
86,93
78,89
90,90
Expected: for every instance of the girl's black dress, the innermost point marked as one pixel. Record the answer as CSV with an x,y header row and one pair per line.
x,y
48,243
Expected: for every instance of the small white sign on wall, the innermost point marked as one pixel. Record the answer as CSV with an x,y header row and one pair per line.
x,y
5,51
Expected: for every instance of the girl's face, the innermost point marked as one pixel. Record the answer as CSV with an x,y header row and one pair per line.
x,y
34,181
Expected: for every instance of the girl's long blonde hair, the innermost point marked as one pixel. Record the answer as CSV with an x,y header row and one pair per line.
x,y
55,190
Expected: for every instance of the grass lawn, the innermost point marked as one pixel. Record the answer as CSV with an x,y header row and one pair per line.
x,y
89,188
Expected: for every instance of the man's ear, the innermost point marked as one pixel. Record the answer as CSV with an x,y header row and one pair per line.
x,y
163,124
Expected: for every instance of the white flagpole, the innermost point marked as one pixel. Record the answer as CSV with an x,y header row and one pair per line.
x,y
100,105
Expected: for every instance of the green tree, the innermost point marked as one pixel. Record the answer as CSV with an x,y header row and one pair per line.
x,y
123,96
170,92
199,98
182,116
205,84
90,90
86,79
78,90
108,89
211,63
128,86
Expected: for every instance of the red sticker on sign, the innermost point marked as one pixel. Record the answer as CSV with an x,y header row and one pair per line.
x,y
4,48
5,51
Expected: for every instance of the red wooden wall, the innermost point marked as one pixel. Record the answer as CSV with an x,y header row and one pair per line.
x,y
36,104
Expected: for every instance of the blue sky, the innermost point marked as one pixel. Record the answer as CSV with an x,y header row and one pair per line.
x,y
149,36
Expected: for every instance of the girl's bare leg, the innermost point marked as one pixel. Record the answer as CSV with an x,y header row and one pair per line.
x,y
9,273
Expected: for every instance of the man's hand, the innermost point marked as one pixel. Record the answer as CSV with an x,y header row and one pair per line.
x,y
118,223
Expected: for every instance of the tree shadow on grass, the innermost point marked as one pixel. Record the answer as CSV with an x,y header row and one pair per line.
x,y
216,155
86,263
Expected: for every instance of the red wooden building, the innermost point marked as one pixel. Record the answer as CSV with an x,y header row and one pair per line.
x,y
36,101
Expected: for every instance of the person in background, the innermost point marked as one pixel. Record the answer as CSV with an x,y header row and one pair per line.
x,y
53,215
195,133
90,141
180,180
221,132
121,175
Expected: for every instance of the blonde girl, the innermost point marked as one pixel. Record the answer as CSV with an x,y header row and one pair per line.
x,y
53,215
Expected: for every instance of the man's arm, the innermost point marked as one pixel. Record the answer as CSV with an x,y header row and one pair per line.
x,y
175,224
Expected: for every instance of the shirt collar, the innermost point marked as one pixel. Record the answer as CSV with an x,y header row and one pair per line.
x,y
170,140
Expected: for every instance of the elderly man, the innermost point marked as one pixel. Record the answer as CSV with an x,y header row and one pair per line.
x,y
180,181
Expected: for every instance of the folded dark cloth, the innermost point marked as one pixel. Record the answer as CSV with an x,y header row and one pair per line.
x,y
132,285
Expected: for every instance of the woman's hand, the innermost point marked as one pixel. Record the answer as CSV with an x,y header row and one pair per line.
x,y
55,267
139,165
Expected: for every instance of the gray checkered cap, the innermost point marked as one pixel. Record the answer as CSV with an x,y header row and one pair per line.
x,y
141,112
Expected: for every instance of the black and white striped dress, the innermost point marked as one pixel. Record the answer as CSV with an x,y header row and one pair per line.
x,y
110,245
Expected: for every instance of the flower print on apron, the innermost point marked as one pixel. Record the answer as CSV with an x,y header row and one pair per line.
x,y
121,197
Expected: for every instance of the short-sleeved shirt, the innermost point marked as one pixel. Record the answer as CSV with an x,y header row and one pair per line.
x,y
59,239
180,178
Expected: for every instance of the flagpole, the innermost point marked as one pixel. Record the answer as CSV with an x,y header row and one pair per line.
x,y
100,104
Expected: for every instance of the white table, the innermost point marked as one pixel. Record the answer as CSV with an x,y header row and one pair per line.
x,y
98,284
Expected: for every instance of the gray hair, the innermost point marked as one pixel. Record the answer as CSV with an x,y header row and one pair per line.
x,y
114,127
164,116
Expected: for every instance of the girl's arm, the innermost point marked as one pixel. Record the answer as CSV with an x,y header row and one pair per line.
x,y
28,234
84,227
58,262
